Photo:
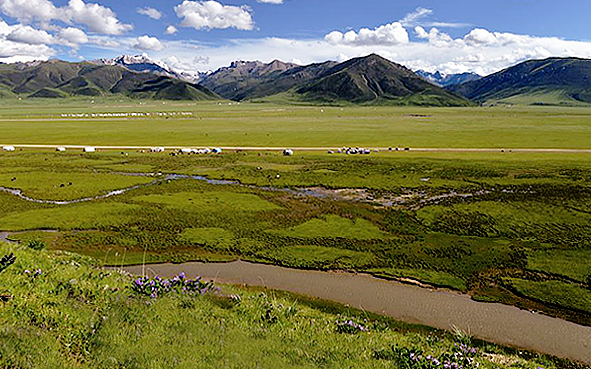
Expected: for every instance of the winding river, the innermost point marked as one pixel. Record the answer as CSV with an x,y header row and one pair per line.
x,y
442,309
413,199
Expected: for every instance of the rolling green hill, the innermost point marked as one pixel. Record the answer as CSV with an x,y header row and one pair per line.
x,y
553,81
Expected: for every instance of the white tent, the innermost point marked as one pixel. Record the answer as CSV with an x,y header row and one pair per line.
x,y
89,149
8,148
60,149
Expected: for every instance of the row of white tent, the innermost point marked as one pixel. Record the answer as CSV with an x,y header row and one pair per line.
x,y
216,150
60,149
207,150
86,149
120,115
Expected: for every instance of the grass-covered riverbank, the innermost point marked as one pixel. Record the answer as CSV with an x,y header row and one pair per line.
x,y
62,311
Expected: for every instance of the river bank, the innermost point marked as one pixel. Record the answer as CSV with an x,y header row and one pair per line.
x,y
441,309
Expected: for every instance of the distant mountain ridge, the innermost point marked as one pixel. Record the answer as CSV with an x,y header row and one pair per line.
x,y
366,80
247,79
57,78
370,79
553,81
444,80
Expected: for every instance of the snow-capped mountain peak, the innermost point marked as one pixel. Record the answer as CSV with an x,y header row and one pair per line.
x,y
138,63
144,64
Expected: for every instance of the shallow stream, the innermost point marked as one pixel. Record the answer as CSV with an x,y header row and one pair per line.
x,y
413,199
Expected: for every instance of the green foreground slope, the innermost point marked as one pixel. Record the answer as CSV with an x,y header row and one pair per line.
x,y
64,312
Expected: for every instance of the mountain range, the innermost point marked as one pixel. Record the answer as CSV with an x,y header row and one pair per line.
x,y
552,81
366,80
55,79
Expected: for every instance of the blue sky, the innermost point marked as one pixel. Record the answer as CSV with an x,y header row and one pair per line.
x,y
482,36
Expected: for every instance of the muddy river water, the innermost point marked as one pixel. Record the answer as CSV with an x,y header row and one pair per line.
x,y
442,309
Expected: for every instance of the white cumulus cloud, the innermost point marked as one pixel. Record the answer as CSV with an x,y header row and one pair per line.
x,y
148,43
11,52
72,36
435,37
171,30
211,14
25,45
98,18
29,35
150,12
270,1
480,36
27,11
389,34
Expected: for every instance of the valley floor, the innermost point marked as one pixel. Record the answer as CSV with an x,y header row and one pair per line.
x,y
509,226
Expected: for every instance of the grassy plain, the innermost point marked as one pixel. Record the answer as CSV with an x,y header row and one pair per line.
x,y
501,226
263,125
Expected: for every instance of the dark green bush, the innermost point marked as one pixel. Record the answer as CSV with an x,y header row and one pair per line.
x,y
36,244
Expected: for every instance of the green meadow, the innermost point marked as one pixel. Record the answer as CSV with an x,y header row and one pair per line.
x,y
264,125
502,226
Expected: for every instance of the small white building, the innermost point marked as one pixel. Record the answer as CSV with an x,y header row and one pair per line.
x,y
8,148
216,150
186,151
60,149
288,152
89,149
157,149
